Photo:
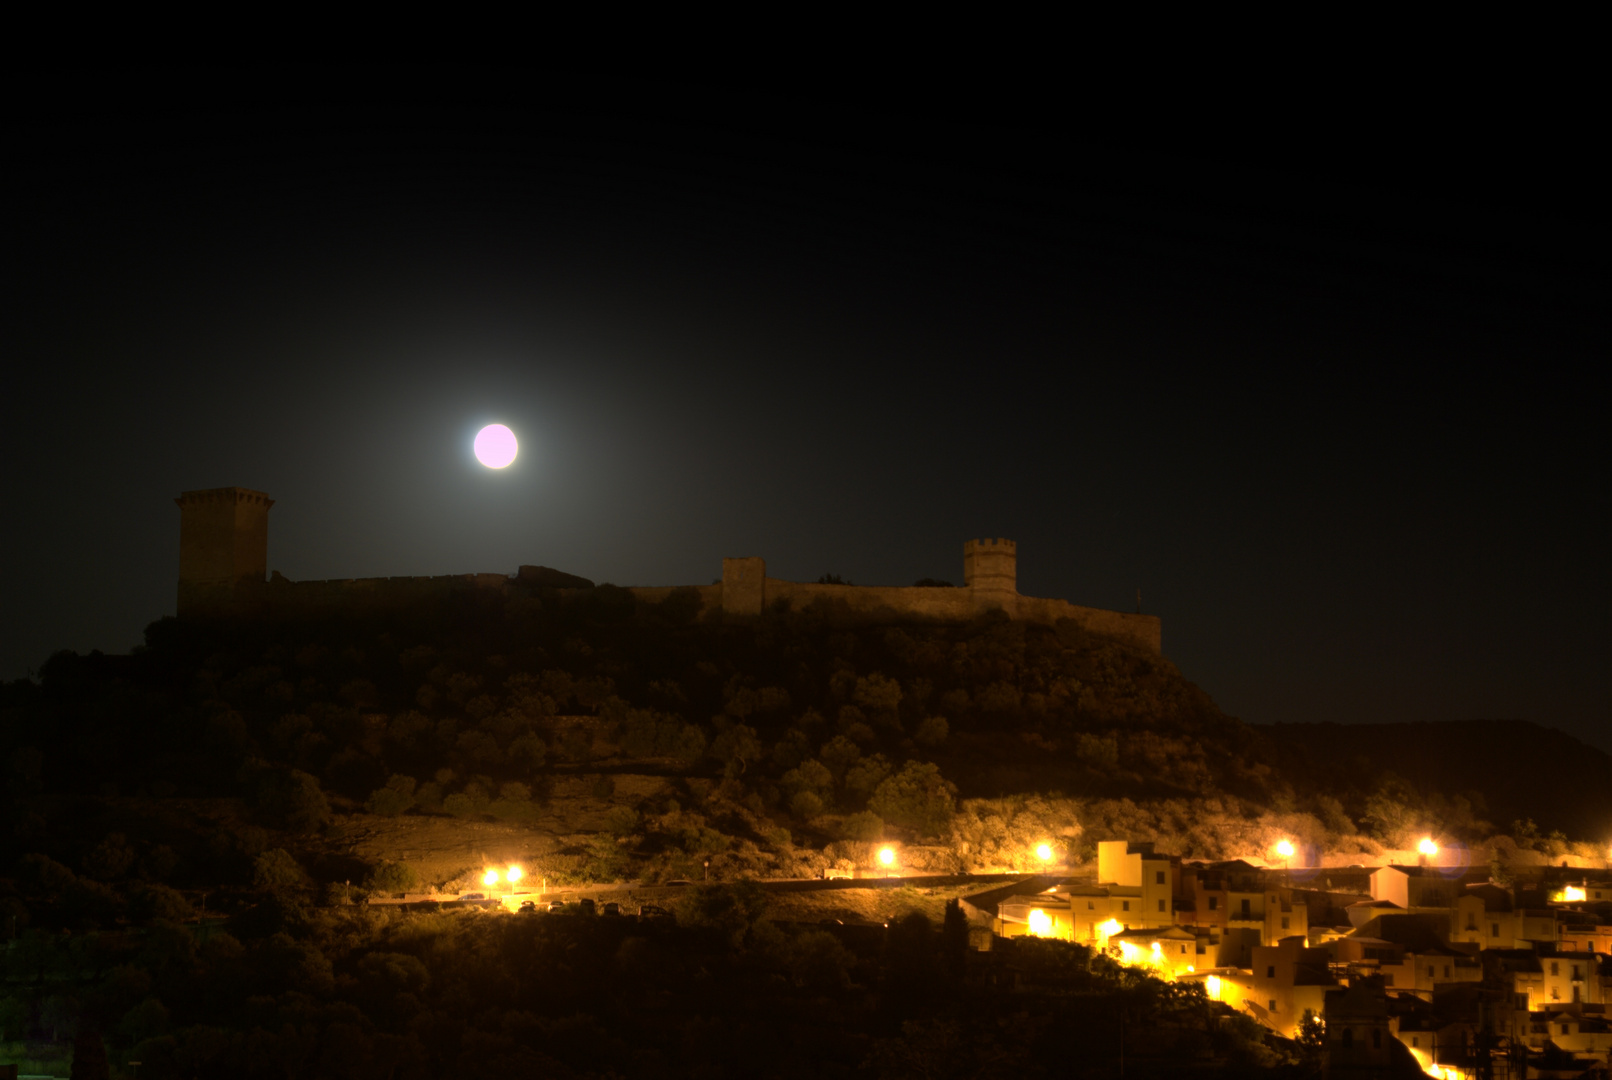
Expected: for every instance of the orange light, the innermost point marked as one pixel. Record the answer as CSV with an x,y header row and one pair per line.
x,y
887,856
490,878
1044,852
1427,847
1040,923
513,874
1284,848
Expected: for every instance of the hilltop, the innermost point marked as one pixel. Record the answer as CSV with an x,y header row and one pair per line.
x,y
609,737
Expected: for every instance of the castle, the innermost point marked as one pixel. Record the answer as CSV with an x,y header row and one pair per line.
x,y
223,562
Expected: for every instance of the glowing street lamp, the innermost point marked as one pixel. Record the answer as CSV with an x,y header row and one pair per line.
x,y
887,858
490,878
512,875
1427,848
1284,848
1043,852
1040,923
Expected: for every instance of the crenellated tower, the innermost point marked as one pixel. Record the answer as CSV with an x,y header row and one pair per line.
x,y
223,539
991,569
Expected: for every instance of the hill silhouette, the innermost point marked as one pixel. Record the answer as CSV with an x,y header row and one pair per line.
x,y
1520,770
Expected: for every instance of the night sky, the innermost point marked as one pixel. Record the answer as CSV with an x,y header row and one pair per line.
x,y
1336,406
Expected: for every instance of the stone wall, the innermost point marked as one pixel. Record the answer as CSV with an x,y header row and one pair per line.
x,y
224,547
223,538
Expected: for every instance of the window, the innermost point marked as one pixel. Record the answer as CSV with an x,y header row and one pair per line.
x,y
1348,1038
1471,921
1284,922
1567,1029
1091,905
1554,968
1494,929
1273,1004
1447,971
1183,950
1576,975
1158,877
1161,905
1429,971
1415,1042
1555,995
1246,908
1270,972
1376,1038
1125,905
1214,903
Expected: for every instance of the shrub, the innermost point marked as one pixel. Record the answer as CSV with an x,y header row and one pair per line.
x,y
393,799
917,797
393,877
276,871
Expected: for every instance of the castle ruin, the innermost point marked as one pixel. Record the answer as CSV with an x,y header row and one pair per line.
x,y
223,560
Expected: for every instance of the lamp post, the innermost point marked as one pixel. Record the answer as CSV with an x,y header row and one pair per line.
x,y
1426,850
512,875
887,859
1044,852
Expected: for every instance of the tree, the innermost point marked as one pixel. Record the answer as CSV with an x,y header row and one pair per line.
x,y
880,696
393,799
393,877
932,731
917,797
276,871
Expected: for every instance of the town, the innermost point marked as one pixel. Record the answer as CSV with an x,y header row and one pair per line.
x,y
1471,976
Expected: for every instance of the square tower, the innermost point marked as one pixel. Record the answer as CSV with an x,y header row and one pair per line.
x,y
991,566
223,538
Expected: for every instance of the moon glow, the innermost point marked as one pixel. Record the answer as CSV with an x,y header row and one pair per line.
x,y
496,446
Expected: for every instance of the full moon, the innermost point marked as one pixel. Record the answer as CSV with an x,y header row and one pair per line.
x,y
496,446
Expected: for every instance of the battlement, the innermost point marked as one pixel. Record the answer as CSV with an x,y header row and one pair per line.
x,y
223,538
992,566
223,555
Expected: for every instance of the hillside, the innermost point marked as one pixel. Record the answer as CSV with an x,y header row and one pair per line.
x,y
1513,770
606,738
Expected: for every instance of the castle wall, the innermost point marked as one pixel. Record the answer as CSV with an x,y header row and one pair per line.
x,y
280,598
744,585
223,538
929,602
1143,631
224,553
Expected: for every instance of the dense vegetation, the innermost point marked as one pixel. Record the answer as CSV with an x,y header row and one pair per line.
x,y
211,762
357,993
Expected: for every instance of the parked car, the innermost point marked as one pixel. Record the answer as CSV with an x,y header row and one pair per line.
x,y
678,881
612,909
528,907
556,907
588,905
654,913
473,896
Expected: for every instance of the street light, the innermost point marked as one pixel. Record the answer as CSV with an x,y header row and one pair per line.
x,y
887,858
1284,848
513,874
490,878
1044,852
1427,848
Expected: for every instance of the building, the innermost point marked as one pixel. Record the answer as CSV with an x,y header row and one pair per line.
x,y
1142,885
223,568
